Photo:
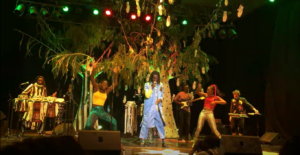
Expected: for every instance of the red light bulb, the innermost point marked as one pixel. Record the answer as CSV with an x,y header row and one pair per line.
x,y
133,16
148,18
108,12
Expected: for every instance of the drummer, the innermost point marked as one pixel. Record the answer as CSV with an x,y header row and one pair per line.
x,y
35,90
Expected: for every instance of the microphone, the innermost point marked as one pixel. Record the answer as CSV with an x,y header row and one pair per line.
x,y
25,83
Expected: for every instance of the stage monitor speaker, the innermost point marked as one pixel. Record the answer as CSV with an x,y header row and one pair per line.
x,y
100,142
3,127
272,138
59,129
241,145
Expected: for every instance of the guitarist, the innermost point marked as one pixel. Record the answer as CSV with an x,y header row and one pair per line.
x,y
238,106
182,98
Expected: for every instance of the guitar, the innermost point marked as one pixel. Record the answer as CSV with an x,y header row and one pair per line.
x,y
185,103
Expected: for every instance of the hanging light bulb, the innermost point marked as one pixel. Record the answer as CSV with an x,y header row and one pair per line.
x,y
240,10
224,16
168,22
171,1
161,1
226,2
127,7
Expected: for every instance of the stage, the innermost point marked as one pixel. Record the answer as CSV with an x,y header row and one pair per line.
x,y
131,146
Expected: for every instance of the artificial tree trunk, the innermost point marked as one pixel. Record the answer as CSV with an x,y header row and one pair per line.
x,y
170,128
86,99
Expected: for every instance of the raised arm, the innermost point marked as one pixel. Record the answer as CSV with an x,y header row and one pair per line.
x,y
220,100
199,91
109,89
95,85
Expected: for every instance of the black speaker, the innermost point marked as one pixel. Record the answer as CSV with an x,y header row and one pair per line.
x,y
272,138
100,142
240,145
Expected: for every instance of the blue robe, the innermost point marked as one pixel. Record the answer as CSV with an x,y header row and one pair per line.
x,y
151,117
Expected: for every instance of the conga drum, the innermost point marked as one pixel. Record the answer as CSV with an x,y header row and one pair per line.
x,y
60,109
130,117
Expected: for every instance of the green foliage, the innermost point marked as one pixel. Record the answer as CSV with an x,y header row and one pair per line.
x,y
133,48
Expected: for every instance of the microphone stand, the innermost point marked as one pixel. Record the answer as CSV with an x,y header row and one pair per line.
x,y
10,116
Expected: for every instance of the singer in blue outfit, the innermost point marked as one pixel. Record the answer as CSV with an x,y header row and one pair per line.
x,y
152,108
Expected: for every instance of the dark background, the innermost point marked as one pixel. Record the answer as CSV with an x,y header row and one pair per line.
x,y
262,63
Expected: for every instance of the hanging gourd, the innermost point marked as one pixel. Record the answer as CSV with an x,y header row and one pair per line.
x,y
224,16
169,62
194,85
124,99
195,53
168,22
203,70
240,10
178,82
127,7
139,89
226,2
160,10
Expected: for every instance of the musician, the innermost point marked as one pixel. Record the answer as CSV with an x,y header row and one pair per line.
x,y
238,106
184,112
152,108
207,114
99,97
37,89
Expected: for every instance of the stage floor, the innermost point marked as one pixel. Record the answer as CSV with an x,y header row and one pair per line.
x,y
131,146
